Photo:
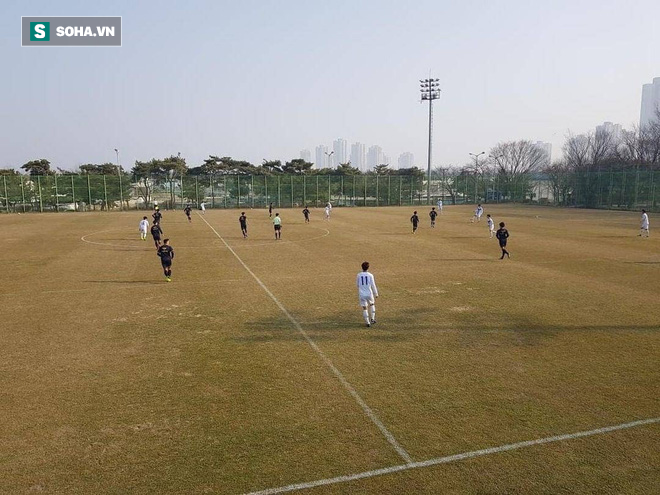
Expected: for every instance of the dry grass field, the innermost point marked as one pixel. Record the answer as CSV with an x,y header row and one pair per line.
x,y
253,369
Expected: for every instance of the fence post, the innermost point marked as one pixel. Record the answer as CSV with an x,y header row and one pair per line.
x,y
89,193
304,189
266,188
121,192
23,193
365,190
400,187
377,190
212,192
182,191
224,183
73,195
196,191
342,190
317,191
292,191
4,180
389,189
105,194
279,192
412,201
57,199
652,190
252,189
238,188
329,189
609,194
636,187
353,196
41,205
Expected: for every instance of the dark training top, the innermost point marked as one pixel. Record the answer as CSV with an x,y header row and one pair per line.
x,y
166,254
502,234
157,216
433,214
306,212
187,210
243,220
156,230
414,219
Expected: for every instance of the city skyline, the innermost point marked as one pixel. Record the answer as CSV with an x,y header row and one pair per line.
x,y
201,91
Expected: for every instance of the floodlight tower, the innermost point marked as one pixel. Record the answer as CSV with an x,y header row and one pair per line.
x,y
430,91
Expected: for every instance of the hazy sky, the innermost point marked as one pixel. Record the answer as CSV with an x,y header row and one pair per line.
x,y
265,79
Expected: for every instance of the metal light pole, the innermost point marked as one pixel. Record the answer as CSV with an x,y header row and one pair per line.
x,y
430,91
329,155
121,191
476,171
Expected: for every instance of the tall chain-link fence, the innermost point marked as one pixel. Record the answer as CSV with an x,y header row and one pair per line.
x,y
622,189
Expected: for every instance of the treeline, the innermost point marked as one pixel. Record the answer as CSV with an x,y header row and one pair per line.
x,y
176,166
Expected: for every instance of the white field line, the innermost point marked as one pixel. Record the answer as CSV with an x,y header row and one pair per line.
x,y
368,411
452,458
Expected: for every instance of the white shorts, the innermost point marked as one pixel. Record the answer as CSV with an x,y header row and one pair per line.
x,y
143,231
366,301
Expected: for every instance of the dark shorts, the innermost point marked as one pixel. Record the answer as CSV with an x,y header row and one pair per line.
x,y
415,225
156,237
166,262
244,226
277,227
502,242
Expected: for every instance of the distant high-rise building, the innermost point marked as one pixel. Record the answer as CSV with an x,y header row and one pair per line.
x,y
650,102
340,147
386,159
406,160
306,155
321,157
546,148
614,129
374,156
358,156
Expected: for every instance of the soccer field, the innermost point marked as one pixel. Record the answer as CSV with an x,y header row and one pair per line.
x,y
253,371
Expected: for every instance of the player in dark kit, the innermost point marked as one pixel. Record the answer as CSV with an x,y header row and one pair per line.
x,y
270,210
415,221
243,221
433,214
156,232
502,235
306,213
166,254
187,210
157,215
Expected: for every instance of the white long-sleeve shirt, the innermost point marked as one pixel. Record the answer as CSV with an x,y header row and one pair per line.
x,y
144,225
366,285
645,221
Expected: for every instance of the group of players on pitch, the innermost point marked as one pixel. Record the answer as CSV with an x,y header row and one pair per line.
x,y
502,234
366,283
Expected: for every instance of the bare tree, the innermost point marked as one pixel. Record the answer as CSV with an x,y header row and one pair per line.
x,y
514,162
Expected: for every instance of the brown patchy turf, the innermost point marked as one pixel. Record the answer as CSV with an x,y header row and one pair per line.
x,y
113,381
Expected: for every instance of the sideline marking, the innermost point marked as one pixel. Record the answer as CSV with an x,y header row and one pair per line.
x,y
452,458
372,416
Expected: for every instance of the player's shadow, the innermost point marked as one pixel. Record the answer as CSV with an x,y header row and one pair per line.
x,y
467,330
123,282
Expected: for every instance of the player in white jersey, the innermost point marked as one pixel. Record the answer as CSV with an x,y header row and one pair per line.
x,y
328,210
644,229
144,228
367,292
202,207
439,204
491,226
